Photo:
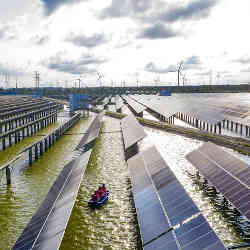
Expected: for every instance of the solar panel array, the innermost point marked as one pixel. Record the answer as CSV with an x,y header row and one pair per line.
x,y
137,107
92,132
162,205
228,174
47,227
169,106
132,131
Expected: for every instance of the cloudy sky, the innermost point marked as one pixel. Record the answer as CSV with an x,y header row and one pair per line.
x,y
124,40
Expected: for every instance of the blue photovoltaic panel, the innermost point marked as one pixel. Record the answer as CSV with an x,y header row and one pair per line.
x,y
176,201
162,203
46,228
227,173
91,133
132,131
151,218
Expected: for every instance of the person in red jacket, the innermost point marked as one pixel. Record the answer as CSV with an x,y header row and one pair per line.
x,y
100,193
95,197
104,190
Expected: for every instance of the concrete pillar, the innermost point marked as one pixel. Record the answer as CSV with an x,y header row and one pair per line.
x,y
241,128
18,136
30,156
45,144
16,139
196,123
219,125
41,148
36,152
8,175
50,139
4,143
10,140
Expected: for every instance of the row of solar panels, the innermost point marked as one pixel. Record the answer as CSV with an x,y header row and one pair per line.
x,y
137,107
162,204
47,227
210,109
132,131
228,174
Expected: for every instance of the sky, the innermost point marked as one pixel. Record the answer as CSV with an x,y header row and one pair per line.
x,y
124,42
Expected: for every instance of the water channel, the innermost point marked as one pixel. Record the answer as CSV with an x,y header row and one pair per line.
x,y
114,226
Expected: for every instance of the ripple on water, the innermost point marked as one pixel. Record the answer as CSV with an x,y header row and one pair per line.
x,y
114,225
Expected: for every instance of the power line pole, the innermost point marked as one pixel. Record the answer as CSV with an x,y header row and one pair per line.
x,y
179,71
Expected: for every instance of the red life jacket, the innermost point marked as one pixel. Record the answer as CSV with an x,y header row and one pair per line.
x,y
94,197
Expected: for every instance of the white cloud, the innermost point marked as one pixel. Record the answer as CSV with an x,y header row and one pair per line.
x,y
114,30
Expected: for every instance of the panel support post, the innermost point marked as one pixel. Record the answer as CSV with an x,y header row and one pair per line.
x,y
8,175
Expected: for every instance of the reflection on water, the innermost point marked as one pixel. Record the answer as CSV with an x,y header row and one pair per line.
x,y
19,201
114,225
173,148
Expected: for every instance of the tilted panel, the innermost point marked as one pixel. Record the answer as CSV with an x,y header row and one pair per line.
x,y
92,132
177,203
151,218
162,203
137,107
228,162
235,190
132,131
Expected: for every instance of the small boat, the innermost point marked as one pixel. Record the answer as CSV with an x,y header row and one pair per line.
x,y
103,200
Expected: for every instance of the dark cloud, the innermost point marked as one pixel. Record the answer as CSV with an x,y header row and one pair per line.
x,y
198,9
158,31
52,5
87,41
124,8
85,64
151,67
40,40
154,11
243,60
192,62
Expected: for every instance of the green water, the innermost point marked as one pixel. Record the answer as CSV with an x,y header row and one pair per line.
x,y
10,153
19,201
114,225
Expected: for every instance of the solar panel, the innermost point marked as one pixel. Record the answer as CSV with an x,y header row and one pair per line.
x,y
91,133
132,131
226,172
46,228
194,235
162,203
137,107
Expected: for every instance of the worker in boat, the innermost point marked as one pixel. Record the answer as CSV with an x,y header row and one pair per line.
x,y
95,197
99,191
104,190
